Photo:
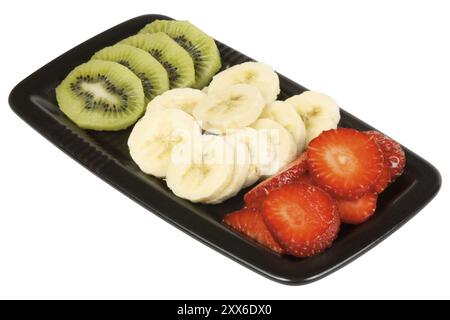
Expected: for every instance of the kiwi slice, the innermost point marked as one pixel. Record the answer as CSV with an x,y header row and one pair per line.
x,y
177,62
101,95
201,47
153,76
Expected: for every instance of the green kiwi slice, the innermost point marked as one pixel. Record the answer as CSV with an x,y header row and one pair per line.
x,y
152,74
177,62
101,95
201,47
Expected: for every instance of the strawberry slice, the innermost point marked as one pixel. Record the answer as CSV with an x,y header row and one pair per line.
x,y
345,162
305,178
302,218
392,151
294,172
249,222
357,211
384,179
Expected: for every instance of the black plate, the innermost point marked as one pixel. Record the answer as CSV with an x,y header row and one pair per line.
x,y
106,155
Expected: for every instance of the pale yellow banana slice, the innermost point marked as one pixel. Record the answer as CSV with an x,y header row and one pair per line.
x,y
240,172
236,107
185,99
318,111
257,74
202,176
153,137
285,114
249,136
276,146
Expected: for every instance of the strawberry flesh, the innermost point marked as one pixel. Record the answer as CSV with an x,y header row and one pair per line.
x,y
359,210
392,151
344,162
383,180
250,223
294,172
302,218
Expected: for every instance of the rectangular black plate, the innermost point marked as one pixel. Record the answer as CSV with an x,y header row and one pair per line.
x,y
106,155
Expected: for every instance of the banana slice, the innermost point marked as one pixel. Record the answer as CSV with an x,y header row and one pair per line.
x,y
185,99
240,172
236,107
283,113
203,176
276,146
153,137
249,137
256,74
318,111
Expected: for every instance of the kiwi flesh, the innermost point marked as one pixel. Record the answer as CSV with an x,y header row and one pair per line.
x,y
101,95
152,74
201,47
177,62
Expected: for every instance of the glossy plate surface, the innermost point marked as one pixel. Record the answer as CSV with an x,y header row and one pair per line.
x,y
106,155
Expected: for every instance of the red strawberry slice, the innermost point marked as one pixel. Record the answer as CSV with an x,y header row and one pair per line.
x,y
293,173
250,223
384,179
302,218
357,211
305,178
345,162
392,151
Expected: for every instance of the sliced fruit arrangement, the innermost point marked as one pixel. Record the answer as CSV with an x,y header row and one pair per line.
x,y
176,61
240,109
169,64
165,54
211,135
335,180
148,69
200,46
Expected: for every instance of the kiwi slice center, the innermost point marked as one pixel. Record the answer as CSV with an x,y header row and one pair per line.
x,y
99,93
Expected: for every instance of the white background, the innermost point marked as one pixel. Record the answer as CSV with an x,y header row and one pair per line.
x,y
66,234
